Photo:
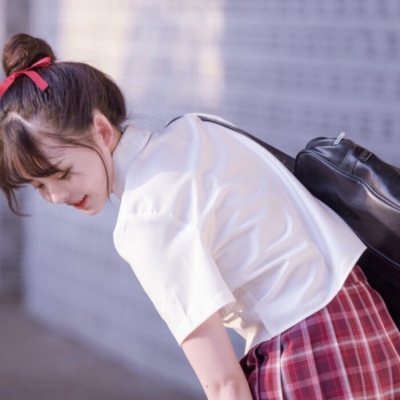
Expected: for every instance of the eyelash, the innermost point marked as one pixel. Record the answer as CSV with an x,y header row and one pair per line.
x,y
65,175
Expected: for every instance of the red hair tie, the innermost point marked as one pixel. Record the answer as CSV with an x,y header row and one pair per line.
x,y
37,79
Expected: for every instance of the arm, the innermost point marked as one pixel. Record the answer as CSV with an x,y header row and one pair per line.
x,y
210,353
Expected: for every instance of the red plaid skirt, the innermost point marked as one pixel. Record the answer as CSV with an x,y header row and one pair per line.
x,y
349,350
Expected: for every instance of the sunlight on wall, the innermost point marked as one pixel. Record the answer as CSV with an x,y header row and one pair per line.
x,y
177,47
95,31
199,32
211,66
171,47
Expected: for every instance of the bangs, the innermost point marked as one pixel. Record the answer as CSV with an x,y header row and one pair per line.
x,y
23,158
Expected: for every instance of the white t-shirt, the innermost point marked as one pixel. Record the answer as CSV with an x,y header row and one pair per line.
x,y
209,220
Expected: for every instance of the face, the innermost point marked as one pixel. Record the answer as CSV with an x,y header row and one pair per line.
x,y
83,181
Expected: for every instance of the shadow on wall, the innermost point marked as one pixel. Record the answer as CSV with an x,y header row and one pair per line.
x,y
16,17
298,70
11,243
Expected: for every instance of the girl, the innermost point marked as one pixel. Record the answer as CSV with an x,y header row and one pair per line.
x,y
217,231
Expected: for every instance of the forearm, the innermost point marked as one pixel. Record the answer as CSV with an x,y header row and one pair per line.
x,y
212,357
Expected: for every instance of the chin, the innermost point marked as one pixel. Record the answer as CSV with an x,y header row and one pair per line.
x,y
94,211
90,212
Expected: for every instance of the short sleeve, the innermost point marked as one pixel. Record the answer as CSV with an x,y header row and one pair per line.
x,y
175,268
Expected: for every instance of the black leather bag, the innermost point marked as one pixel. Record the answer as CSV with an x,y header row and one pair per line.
x,y
365,192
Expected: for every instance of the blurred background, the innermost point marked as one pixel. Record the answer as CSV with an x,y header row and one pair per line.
x,y
74,322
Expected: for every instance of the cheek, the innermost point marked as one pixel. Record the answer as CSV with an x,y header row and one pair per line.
x,y
96,176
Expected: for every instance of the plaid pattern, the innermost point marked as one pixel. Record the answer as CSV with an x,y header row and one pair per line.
x,y
349,350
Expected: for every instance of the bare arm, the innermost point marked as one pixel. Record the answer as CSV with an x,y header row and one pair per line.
x,y
210,353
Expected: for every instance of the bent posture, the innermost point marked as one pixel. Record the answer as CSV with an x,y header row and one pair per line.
x,y
217,231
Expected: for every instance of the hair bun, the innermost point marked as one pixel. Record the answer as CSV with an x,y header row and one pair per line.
x,y
22,50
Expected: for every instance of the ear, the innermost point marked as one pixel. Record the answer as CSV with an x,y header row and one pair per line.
x,y
103,129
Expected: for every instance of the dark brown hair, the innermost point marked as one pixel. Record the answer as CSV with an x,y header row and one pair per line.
x,y
64,111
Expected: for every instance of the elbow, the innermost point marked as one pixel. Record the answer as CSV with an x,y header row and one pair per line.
x,y
228,388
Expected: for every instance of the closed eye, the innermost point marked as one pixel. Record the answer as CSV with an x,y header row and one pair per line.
x,y
40,186
66,174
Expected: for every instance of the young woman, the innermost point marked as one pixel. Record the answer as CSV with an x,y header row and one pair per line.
x,y
217,231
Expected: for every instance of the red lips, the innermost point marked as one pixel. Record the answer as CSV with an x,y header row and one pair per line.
x,y
81,204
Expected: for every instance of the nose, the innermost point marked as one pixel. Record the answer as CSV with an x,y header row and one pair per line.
x,y
56,195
